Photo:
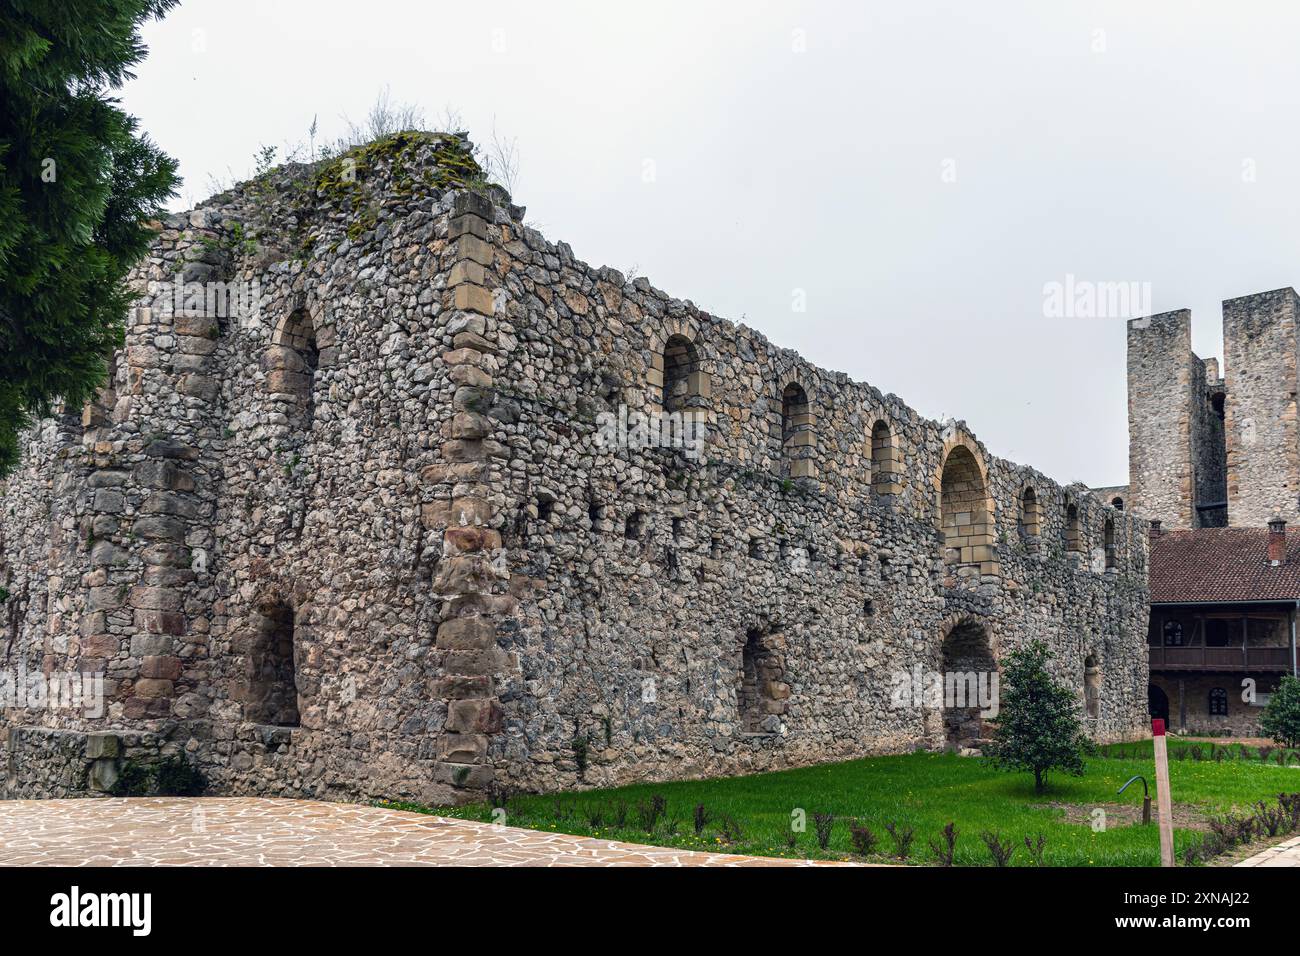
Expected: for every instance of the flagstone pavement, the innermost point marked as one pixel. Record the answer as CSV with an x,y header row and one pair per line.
x,y
1284,854
244,831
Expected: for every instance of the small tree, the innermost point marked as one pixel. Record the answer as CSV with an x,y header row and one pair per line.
x,y
1281,716
1038,728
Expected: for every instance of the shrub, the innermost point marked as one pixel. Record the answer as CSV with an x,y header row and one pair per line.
x,y
864,840
902,837
823,823
1038,728
1036,847
945,852
730,829
649,811
701,818
1281,716
1001,852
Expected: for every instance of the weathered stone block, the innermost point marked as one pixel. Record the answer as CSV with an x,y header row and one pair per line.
x,y
474,716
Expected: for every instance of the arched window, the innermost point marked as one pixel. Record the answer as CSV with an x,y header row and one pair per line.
x,y
1030,523
1218,702
271,694
683,382
1110,543
292,360
1117,503
1073,530
884,461
797,438
964,510
1092,687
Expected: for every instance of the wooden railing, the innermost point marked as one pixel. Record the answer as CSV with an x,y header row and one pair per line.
x,y
1221,658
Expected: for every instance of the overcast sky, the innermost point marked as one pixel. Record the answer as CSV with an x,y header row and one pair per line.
x,y
914,173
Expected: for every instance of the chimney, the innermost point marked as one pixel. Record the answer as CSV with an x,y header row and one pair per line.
x,y
1277,541
1155,528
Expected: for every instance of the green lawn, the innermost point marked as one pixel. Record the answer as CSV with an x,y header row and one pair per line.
x,y
921,790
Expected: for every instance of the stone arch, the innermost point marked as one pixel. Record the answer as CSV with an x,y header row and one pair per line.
x,y
1117,503
1030,522
886,464
293,358
965,508
1092,687
967,661
677,380
798,432
1073,528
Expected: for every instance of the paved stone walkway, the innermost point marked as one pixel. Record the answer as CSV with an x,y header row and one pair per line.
x,y
241,831
1284,854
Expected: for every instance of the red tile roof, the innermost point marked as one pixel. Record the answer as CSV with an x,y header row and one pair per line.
x,y
1222,564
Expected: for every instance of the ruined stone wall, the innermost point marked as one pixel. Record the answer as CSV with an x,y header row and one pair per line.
x,y
211,491
407,472
1263,448
651,571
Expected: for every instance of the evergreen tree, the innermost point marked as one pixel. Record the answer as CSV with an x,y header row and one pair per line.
x,y
77,184
1281,716
1038,728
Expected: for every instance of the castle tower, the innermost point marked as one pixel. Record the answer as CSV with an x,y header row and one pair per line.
x,y
1263,448
1163,381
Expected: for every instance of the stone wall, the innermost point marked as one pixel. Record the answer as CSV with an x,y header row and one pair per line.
x,y
399,532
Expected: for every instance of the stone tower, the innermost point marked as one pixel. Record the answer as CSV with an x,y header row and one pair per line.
x,y
1206,451
1259,351
1175,434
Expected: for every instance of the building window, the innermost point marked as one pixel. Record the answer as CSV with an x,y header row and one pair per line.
x,y
292,361
884,466
1117,504
1110,544
1030,523
797,439
1073,530
1173,631
683,383
1218,632
1218,702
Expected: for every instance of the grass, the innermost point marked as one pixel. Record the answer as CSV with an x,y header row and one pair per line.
x,y
754,814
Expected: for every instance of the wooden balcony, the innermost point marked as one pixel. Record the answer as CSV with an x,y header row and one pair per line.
x,y
1220,658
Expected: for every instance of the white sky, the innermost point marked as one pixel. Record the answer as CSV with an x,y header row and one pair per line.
x,y
1113,156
